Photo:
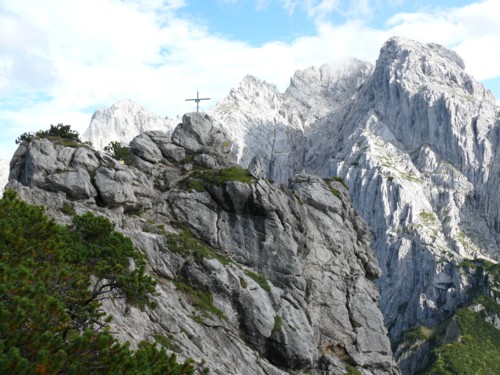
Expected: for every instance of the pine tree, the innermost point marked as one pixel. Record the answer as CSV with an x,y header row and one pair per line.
x,y
50,316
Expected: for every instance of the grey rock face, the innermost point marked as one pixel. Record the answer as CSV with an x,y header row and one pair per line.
x,y
146,149
74,183
173,152
115,187
256,167
198,134
288,271
415,139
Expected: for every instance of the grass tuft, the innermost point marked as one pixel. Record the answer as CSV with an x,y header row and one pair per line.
x,y
259,279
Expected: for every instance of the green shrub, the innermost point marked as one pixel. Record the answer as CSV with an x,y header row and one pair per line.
x,y
168,342
351,370
202,180
428,218
475,353
338,179
187,244
297,197
278,322
336,193
243,283
68,209
417,333
201,300
58,131
119,152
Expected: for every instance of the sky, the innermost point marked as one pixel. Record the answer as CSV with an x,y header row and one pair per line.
x,y
60,60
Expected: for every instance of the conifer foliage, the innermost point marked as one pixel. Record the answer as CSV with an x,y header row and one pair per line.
x,y
55,131
50,316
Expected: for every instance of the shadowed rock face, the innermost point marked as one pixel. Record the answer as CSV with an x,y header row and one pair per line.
x,y
287,271
415,137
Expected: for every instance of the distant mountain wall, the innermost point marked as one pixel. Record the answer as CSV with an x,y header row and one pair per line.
x,y
416,140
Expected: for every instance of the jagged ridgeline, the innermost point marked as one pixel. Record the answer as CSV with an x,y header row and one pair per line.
x,y
250,276
416,139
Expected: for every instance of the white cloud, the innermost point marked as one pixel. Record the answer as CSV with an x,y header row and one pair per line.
x,y
91,53
320,10
262,4
23,64
317,9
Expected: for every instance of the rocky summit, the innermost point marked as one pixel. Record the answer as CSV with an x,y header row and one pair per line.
x,y
252,277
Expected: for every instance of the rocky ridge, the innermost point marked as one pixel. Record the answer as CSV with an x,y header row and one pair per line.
x,y
250,274
415,139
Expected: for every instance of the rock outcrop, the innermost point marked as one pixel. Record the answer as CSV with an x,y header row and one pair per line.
x,y
415,139
253,277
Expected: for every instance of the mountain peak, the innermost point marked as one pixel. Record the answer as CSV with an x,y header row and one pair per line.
x,y
396,47
252,85
334,82
127,104
122,122
415,67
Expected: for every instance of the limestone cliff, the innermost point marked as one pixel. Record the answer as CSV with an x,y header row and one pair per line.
x,y
253,277
416,140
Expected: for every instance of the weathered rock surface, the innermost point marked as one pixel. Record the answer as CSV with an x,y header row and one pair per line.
x,y
416,140
289,271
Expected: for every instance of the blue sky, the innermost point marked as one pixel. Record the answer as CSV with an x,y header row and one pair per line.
x,y
60,60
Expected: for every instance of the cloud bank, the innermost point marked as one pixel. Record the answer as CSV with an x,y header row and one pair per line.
x,y
62,59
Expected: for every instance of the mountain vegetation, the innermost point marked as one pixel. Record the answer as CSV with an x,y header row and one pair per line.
x,y
52,279
56,131
477,351
468,342
120,152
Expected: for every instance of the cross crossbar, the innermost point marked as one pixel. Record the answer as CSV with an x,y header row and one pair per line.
x,y
197,100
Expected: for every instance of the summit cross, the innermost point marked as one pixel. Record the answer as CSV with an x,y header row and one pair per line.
x,y
197,100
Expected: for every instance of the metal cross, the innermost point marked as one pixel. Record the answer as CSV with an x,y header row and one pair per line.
x,y
197,100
